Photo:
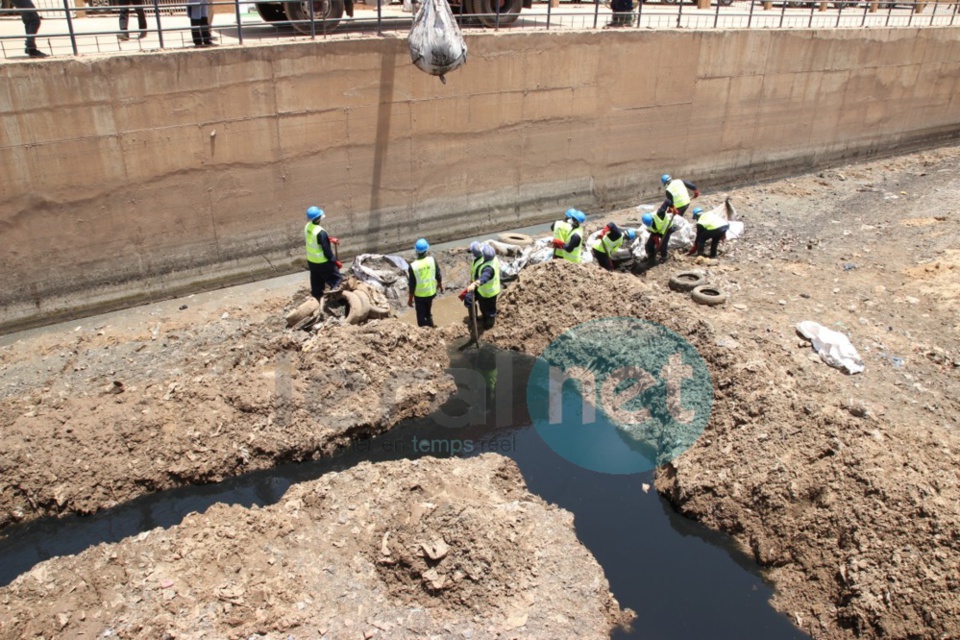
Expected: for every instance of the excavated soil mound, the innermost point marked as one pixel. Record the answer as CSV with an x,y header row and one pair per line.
x,y
406,549
842,491
226,405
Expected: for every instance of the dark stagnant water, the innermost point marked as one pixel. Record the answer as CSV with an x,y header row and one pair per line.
x,y
683,580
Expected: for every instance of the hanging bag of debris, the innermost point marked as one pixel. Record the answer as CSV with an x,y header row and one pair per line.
x,y
436,43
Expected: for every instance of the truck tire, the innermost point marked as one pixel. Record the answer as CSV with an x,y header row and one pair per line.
x,y
519,239
356,310
326,14
486,10
687,281
271,11
708,295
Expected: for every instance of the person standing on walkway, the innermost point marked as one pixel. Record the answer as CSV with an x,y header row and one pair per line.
x,y
424,281
484,282
31,25
324,265
199,12
125,6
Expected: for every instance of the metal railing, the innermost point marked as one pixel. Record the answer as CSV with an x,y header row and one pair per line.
x,y
75,30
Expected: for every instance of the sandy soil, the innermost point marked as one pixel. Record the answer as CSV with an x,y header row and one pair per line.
x,y
845,487
101,416
407,549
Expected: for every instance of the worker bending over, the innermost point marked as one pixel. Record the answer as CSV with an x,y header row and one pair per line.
x,y
484,282
423,280
568,236
611,238
324,265
710,226
661,226
678,195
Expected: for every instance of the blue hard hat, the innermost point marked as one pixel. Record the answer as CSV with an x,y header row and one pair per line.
x,y
571,213
665,178
631,234
476,249
697,212
314,213
579,216
647,219
488,252
421,246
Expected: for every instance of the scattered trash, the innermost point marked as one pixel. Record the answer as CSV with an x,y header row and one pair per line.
x,y
849,266
183,307
834,348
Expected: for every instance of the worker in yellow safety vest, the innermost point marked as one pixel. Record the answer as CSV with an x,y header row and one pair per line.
x,y
424,280
568,236
661,227
610,240
679,194
323,263
484,282
710,226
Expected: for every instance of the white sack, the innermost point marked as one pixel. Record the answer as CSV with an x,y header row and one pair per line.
x,y
834,348
436,43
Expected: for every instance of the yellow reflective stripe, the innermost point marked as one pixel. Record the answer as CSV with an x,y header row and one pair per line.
x,y
572,256
608,246
425,271
711,221
311,233
492,286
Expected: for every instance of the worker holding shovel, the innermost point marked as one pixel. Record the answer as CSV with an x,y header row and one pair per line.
x,y
485,282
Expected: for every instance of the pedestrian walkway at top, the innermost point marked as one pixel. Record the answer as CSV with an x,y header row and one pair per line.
x,y
70,28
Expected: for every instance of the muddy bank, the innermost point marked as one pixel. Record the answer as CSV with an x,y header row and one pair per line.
x,y
406,549
844,487
190,407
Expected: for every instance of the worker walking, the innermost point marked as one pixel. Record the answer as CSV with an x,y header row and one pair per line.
x,y
324,265
610,240
661,226
424,281
710,226
678,195
568,236
484,282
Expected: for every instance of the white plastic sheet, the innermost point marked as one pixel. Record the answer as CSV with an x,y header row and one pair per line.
x,y
436,43
388,273
834,348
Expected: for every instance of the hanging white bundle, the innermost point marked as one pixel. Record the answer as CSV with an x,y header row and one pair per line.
x,y
436,43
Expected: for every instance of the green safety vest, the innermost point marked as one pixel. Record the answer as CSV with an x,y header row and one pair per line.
x,y
492,287
607,246
710,220
566,232
662,225
425,271
681,197
314,252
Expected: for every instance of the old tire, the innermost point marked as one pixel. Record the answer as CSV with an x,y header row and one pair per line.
x,y
708,295
356,309
519,239
271,12
687,281
326,14
486,10
305,310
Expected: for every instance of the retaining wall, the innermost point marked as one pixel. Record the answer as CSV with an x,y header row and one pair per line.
x,y
128,178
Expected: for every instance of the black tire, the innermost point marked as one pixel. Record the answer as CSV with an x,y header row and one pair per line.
x,y
687,281
326,15
486,10
708,295
271,12
518,239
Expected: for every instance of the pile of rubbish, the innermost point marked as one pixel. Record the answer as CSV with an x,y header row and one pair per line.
x,y
435,41
354,303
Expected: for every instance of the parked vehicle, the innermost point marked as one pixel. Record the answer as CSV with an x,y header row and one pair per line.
x,y
327,14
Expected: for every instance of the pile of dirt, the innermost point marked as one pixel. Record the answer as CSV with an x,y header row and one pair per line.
x,y
406,549
848,499
260,397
